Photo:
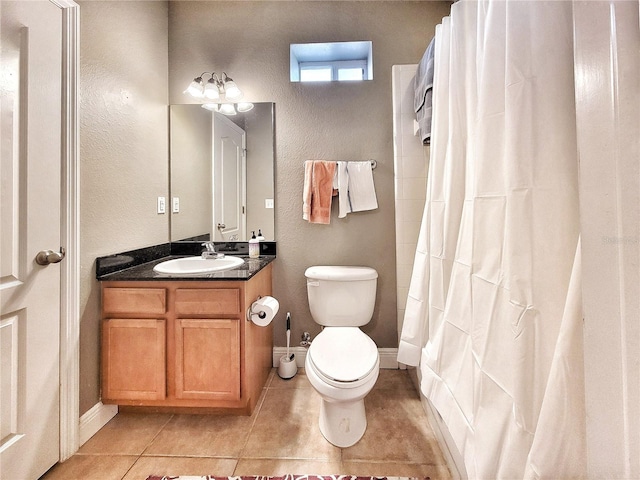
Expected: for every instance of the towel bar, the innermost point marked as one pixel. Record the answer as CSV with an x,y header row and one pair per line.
x,y
374,163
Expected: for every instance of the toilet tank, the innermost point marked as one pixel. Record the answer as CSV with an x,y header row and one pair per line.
x,y
341,296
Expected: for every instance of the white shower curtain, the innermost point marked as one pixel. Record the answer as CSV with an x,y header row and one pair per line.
x,y
493,316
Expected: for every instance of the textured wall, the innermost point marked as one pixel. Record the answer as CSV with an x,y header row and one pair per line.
x,y
124,71
350,121
123,149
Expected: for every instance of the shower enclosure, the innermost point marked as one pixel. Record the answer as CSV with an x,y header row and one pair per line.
x,y
522,310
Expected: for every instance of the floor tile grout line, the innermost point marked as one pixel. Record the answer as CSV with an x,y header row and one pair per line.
x,y
301,458
164,425
129,469
256,412
138,457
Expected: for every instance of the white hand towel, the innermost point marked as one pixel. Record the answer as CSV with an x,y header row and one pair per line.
x,y
307,189
342,184
362,192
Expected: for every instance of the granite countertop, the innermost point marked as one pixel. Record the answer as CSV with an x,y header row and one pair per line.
x,y
137,265
144,272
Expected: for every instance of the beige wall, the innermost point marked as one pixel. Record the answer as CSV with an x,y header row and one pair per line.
x,y
353,121
123,149
124,132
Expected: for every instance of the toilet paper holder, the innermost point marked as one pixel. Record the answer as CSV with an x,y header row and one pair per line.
x,y
261,314
262,311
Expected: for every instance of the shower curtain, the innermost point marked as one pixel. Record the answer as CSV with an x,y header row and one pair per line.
x,y
493,316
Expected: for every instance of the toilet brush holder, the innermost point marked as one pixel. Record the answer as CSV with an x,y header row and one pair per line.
x,y
287,367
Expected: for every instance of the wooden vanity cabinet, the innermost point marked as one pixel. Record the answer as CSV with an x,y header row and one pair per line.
x,y
185,344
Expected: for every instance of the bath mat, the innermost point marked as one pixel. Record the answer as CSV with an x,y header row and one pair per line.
x,y
284,477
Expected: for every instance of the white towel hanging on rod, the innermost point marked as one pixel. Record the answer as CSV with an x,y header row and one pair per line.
x,y
355,186
374,163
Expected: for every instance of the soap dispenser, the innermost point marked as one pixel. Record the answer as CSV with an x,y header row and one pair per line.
x,y
260,236
254,246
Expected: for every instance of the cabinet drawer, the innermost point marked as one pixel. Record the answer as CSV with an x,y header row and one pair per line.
x,y
134,300
207,301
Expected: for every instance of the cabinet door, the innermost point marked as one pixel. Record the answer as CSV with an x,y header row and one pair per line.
x,y
133,359
208,359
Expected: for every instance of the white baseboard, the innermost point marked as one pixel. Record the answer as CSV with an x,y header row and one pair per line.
x,y
94,419
388,357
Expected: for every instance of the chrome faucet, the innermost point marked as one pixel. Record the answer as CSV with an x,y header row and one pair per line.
x,y
210,251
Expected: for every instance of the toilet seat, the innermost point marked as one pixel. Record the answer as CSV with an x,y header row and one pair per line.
x,y
344,357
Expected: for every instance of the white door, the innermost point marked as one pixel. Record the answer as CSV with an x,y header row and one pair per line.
x,y
30,175
229,185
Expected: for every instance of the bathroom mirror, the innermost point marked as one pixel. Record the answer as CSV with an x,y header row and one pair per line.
x,y
221,173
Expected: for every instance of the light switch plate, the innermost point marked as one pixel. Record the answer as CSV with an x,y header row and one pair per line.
x,y
175,205
268,203
162,205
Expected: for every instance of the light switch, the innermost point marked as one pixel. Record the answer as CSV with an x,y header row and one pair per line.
x,y
162,205
268,203
175,205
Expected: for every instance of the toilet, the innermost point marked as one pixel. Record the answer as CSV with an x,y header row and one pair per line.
x,y
342,362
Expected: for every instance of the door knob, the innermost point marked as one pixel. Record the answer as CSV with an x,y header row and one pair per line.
x,y
45,257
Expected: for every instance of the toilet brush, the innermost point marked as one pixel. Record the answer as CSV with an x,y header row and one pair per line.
x,y
287,368
288,332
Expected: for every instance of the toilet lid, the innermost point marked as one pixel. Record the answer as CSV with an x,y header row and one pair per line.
x,y
343,354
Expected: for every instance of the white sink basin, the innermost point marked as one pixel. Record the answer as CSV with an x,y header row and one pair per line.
x,y
194,265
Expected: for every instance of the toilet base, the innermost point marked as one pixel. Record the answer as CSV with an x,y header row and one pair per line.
x,y
343,423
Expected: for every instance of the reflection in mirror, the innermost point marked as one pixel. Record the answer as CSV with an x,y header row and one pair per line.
x,y
217,192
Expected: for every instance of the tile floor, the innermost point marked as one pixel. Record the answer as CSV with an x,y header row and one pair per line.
x,y
281,436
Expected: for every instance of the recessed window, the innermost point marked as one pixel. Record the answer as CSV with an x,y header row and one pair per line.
x,y
331,62
315,73
351,73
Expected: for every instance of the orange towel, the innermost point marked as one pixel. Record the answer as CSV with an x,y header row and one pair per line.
x,y
318,190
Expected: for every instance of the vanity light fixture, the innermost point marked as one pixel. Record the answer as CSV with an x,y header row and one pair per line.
x,y
228,108
244,106
232,92
220,93
216,88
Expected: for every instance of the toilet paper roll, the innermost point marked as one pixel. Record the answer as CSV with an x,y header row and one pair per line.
x,y
263,310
